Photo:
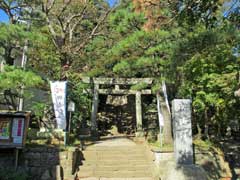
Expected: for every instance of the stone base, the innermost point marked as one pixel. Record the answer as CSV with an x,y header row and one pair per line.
x,y
184,172
162,157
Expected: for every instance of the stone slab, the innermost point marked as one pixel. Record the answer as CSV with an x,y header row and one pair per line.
x,y
186,172
182,130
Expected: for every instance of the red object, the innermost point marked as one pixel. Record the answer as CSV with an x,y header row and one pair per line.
x,y
19,132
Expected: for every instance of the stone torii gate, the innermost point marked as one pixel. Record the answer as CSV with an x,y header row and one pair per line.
x,y
118,90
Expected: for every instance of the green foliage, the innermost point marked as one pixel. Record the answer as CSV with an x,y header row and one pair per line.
x,y
208,70
203,145
193,52
124,21
81,117
14,78
38,109
206,12
123,68
156,146
139,86
140,54
43,55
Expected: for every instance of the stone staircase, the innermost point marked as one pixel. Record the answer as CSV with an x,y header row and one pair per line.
x,y
116,161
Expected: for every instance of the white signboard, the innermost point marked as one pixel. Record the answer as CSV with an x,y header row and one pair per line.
x,y
17,130
71,106
58,90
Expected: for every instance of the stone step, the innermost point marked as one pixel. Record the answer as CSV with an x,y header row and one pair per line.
x,y
117,148
117,162
115,152
112,157
104,178
122,174
115,168
114,174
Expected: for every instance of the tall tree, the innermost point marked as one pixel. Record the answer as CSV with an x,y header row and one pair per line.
x,y
136,46
72,25
12,42
203,65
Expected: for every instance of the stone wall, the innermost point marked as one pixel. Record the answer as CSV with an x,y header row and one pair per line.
x,y
45,163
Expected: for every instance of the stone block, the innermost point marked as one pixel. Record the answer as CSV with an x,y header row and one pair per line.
x,y
34,171
161,158
44,159
32,155
53,158
34,163
186,172
182,130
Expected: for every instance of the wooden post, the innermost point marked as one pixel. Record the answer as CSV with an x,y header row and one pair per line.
x,y
16,158
94,109
139,114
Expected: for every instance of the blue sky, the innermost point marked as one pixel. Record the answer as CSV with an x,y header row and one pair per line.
x,y
3,17
112,2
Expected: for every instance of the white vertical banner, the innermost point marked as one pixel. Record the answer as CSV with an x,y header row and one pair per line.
x,y
59,91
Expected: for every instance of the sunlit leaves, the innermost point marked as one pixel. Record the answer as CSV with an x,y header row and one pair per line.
x,y
14,78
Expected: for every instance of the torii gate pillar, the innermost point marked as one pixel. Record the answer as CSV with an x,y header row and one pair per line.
x,y
139,114
94,110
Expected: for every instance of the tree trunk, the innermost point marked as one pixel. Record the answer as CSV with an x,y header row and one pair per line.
x,y
206,125
199,131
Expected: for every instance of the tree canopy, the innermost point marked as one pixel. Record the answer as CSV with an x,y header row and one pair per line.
x,y
192,45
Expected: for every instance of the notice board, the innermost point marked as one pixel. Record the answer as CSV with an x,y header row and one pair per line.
x,y
13,129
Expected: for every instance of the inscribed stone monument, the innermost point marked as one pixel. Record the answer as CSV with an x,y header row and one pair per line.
x,y
183,150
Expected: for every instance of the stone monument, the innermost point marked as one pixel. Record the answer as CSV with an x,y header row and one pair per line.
x,y
182,131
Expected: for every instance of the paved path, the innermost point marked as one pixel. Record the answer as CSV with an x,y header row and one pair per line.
x,y
114,142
